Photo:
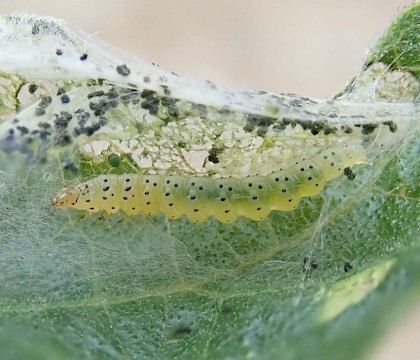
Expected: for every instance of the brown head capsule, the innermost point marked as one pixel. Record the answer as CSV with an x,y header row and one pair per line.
x,y
66,198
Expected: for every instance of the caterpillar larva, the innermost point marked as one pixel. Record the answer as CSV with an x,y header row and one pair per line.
x,y
198,198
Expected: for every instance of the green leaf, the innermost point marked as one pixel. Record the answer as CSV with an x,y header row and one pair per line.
x,y
324,281
399,46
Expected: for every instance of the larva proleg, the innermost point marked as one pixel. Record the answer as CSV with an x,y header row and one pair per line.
x,y
198,198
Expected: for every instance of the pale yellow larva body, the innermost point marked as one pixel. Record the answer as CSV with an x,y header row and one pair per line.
x,y
199,197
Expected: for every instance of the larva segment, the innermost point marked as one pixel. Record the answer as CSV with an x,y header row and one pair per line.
x,y
254,201
172,196
195,198
224,199
148,192
198,198
285,196
129,199
108,193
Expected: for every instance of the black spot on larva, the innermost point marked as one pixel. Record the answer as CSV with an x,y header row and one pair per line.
x,y
349,173
171,204
146,192
168,181
59,52
192,197
148,203
220,186
83,57
176,185
104,198
147,181
230,188
128,188
155,184
283,190
92,208
105,188
277,179
286,179
222,199
200,188
255,198
347,266
392,126
127,180
32,88
196,210
260,186
249,184
227,211
167,193
123,70
125,198
88,200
